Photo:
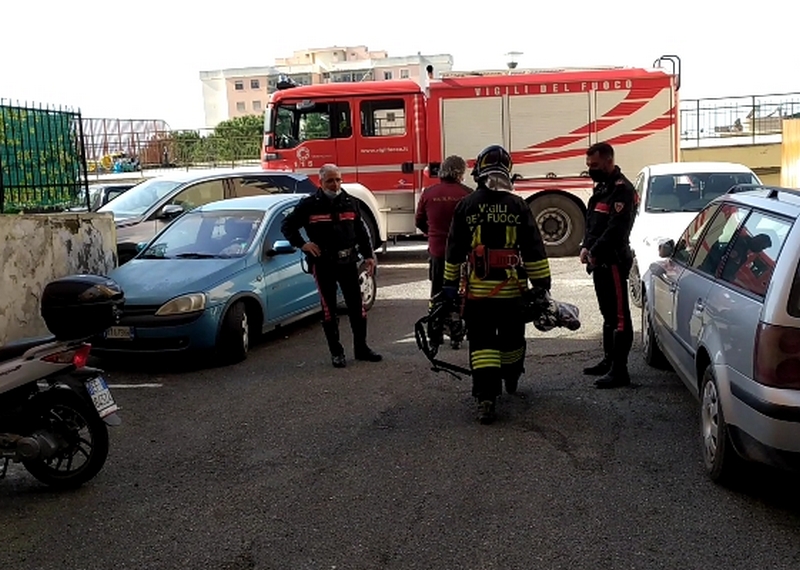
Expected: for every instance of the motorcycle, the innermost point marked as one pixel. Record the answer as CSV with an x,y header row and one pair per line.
x,y
54,409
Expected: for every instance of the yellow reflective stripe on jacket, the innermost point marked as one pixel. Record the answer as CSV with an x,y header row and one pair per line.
x,y
476,237
483,288
538,269
452,271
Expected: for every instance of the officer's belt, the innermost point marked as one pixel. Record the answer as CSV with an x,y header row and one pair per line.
x,y
341,254
498,258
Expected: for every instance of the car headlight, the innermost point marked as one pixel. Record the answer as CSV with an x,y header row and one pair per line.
x,y
183,304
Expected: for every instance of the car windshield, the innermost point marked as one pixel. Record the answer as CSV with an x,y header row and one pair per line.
x,y
691,191
201,235
138,199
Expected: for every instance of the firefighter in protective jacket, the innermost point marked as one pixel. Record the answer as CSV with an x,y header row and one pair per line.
x,y
494,230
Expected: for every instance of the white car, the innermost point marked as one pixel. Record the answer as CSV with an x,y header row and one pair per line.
x,y
670,195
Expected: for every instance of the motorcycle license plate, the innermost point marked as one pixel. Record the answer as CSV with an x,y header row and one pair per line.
x,y
101,396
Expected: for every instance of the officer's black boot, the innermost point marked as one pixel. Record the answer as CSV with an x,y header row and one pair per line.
x,y
604,366
618,374
331,329
360,349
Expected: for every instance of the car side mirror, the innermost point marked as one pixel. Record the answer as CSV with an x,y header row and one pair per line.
x,y
666,248
171,211
280,247
140,246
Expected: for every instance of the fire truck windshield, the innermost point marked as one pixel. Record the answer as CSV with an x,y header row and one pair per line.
x,y
292,123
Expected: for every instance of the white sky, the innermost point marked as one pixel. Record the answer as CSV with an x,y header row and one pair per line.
x,y
141,60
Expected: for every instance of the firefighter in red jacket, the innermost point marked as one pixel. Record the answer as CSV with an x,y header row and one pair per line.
x,y
434,214
495,230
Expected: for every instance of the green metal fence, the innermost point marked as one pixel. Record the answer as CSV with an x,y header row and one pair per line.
x,y
42,161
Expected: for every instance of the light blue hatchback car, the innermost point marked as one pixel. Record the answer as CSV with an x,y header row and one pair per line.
x,y
213,278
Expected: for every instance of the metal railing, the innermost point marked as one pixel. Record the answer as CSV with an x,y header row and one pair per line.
x,y
752,119
42,161
118,146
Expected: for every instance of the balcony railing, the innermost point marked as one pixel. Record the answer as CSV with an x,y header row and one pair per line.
x,y
754,119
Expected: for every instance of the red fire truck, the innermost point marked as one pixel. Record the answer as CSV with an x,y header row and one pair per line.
x,y
546,119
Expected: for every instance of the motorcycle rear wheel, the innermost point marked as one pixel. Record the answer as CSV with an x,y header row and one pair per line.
x,y
72,419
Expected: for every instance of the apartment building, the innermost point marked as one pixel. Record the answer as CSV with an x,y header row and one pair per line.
x,y
229,93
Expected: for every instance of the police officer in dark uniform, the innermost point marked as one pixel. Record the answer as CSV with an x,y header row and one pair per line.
x,y
495,231
607,254
336,235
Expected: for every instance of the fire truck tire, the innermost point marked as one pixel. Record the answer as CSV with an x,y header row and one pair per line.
x,y
561,222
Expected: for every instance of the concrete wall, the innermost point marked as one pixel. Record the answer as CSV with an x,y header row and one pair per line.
x,y
39,248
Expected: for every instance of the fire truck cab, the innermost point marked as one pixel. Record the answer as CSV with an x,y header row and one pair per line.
x,y
391,136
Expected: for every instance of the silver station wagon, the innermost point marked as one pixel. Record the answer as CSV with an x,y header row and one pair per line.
x,y
722,308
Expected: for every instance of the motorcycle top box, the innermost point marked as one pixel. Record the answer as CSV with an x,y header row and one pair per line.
x,y
81,306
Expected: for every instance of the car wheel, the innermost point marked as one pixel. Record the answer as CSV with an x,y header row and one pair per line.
x,y
233,342
368,285
719,457
650,350
635,285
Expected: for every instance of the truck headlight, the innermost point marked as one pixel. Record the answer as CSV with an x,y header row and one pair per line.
x,y
184,304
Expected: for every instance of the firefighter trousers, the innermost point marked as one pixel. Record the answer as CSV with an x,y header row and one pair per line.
x,y
327,275
496,335
611,288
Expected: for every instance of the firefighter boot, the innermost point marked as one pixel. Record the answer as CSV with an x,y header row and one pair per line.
x,y
486,411
618,375
360,349
486,387
331,329
604,366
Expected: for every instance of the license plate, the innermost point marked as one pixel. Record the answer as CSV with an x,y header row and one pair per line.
x,y
120,333
101,396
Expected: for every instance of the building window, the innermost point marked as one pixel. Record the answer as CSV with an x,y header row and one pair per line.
x,y
239,85
240,106
254,84
383,118
387,75
256,105
403,74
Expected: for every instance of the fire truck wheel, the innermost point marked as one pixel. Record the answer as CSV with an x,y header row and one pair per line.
x,y
561,223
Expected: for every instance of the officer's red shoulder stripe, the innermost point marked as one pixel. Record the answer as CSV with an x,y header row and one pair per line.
x,y
319,218
602,207
348,216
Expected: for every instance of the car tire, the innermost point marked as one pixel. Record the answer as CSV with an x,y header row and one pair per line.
x,y
369,286
650,349
635,285
233,341
721,461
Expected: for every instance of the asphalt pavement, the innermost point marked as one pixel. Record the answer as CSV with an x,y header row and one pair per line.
x,y
283,462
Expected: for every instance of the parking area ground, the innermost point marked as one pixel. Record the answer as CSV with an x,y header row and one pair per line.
x,y
283,462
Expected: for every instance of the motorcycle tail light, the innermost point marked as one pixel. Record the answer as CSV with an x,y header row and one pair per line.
x,y
75,357
81,356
